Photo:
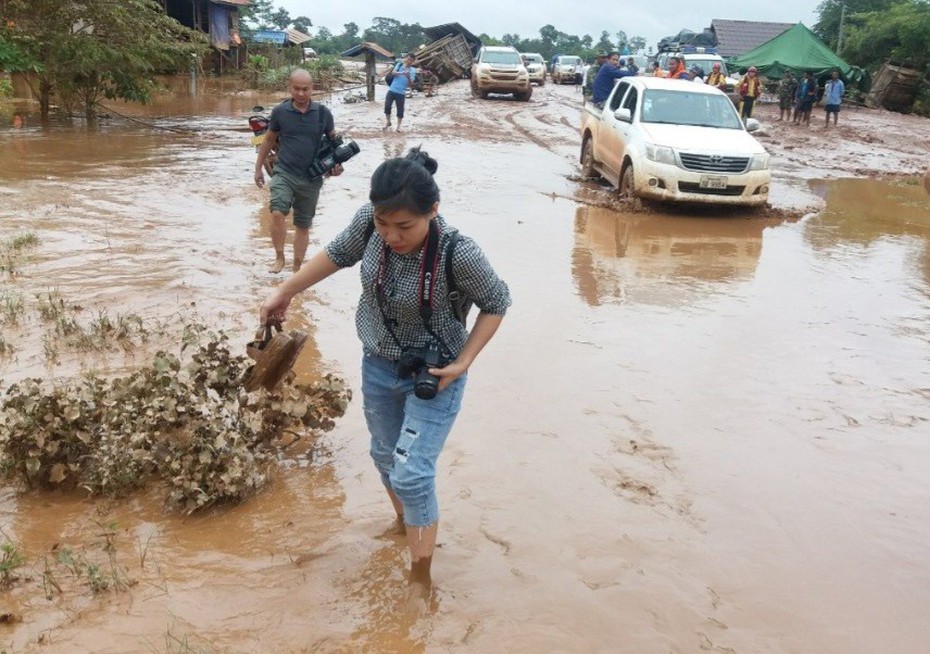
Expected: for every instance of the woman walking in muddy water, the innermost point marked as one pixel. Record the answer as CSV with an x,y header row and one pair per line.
x,y
416,346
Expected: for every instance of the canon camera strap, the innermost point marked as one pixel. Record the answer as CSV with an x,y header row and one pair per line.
x,y
429,266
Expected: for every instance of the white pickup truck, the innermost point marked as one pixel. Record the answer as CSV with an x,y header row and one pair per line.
x,y
672,140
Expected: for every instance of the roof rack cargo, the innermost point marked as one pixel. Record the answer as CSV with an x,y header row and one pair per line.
x,y
698,49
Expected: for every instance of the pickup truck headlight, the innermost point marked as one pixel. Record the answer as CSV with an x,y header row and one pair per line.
x,y
660,154
759,162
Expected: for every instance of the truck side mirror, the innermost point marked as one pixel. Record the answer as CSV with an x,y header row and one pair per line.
x,y
623,114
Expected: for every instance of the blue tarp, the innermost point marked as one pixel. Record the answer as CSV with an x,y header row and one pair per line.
x,y
270,36
219,26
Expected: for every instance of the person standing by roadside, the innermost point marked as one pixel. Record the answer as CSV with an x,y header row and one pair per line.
x,y
716,78
833,97
807,95
606,76
676,69
296,127
750,88
657,70
404,76
787,91
631,66
399,237
591,75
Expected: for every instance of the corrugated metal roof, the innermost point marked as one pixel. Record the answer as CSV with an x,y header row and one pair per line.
x,y
296,36
235,3
737,37
440,31
366,46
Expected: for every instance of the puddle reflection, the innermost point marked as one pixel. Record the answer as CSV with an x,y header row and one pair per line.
x,y
660,259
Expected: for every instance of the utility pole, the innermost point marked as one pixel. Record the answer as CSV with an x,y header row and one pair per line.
x,y
839,40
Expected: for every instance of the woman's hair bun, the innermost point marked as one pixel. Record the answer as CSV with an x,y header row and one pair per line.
x,y
418,156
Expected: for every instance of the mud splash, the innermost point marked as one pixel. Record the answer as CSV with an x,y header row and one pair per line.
x,y
692,432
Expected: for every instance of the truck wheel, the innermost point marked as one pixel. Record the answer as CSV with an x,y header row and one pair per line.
x,y
474,89
542,82
525,96
627,187
587,160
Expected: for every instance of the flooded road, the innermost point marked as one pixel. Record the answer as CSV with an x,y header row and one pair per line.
x,y
692,433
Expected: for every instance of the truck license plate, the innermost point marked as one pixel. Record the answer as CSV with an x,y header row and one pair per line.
x,y
713,182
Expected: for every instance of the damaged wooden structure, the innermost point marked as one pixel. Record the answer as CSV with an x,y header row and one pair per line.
x,y
894,87
219,20
372,52
449,56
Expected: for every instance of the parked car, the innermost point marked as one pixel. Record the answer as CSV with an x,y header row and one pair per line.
x,y
564,69
535,66
669,140
499,69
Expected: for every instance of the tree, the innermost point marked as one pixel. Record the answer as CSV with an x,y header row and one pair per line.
x,y
604,44
901,32
829,12
93,50
303,24
622,40
260,15
281,18
510,39
637,43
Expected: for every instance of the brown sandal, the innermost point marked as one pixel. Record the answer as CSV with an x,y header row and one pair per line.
x,y
274,353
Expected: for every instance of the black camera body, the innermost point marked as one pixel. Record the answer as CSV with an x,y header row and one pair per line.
x,y
332,151
417,361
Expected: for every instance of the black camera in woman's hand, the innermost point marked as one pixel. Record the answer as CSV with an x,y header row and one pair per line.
x,y
417,361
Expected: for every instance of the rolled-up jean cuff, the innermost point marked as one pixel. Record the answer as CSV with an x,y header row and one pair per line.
x,y
407,435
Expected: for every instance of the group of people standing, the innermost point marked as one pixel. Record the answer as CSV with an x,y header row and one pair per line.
x,y
796,98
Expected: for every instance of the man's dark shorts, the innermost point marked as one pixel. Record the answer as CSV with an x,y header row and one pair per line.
x,y
832,108
390,99
289,191
805,105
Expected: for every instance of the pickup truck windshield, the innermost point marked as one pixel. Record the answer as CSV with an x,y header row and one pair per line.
x,y
707,65
569,61
684,108
533,58
511,58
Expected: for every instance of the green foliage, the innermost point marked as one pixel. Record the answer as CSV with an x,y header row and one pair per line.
x,y
900,32
93,50
13,250
829,12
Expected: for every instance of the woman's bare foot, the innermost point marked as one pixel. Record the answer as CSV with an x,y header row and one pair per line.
x,y
420,586
396,529
278,265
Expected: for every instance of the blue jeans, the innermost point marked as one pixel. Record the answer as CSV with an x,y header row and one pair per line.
x,y
407,435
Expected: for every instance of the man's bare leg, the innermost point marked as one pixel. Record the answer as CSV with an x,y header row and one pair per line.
x,y
301,240
398,123
421,541
278,237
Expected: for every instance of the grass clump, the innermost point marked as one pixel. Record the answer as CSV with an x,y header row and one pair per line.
x,y
13,249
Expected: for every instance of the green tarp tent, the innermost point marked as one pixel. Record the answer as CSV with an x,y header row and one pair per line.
x,y
796,49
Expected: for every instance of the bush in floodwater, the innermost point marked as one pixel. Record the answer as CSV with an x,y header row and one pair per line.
x,y
187,423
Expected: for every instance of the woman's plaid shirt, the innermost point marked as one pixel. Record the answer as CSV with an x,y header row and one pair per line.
x,y
473,275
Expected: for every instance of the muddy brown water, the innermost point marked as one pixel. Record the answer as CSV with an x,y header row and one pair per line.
x,y
692,433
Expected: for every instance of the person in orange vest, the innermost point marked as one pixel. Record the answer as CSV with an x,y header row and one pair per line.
x,y
750,88
657,70
717,78
676,69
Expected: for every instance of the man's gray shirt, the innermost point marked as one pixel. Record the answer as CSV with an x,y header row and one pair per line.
x,y
299,134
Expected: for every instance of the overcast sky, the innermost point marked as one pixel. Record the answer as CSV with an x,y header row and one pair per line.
x,y
651,20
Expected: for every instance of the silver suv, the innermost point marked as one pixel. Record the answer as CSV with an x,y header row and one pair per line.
x,y
499,69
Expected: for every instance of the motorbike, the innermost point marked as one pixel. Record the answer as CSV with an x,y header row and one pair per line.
x,y
258,123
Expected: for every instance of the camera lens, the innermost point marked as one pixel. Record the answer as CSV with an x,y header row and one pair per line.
x,y
425,385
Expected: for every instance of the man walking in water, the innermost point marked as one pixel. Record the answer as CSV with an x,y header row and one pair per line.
x,y
296,127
